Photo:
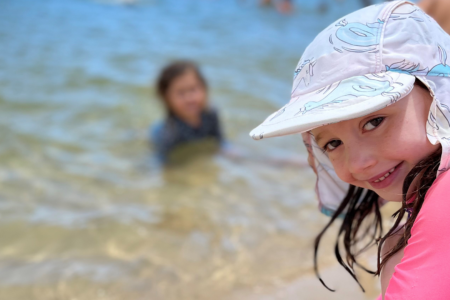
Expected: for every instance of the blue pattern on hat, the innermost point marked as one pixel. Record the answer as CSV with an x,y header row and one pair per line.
x,y
442,69
358,34
349,89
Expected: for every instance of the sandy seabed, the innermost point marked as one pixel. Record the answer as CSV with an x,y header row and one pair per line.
x,y
336,277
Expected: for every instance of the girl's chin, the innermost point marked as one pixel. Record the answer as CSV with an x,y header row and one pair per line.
x,y
393,199
394,194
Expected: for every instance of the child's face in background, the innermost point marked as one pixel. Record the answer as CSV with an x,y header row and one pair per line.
x,y
377,151
187,96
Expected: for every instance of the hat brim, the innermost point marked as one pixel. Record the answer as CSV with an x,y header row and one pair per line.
x,y
351,98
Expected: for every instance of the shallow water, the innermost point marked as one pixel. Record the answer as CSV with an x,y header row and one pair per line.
x,y
85,210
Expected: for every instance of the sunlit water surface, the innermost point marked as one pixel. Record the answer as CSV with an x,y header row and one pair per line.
x,y
85,210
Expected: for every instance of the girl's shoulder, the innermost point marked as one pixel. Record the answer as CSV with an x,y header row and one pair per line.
x,y
211,112
156,131
433,217
439,188
161,130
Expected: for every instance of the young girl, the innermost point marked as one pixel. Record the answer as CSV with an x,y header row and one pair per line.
x,y
371,97
183,90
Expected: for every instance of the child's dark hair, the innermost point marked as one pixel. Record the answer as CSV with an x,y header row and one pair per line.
x,y
174,70
360,204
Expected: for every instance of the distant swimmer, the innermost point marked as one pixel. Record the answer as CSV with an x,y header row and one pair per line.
x,y
439,10
191,124
283,6
366,2
183,91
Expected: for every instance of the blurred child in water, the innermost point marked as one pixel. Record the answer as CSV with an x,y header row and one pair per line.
x,y
184,93
189,119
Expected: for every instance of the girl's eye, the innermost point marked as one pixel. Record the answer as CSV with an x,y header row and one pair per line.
x,y
330,146
372,124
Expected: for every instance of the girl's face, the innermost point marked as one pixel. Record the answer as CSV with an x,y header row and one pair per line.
x,y
186,96
377,151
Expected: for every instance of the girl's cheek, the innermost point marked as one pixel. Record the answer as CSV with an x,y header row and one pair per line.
x,y
340,169
203,97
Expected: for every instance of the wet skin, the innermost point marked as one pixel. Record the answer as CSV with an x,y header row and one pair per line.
x,y
378,150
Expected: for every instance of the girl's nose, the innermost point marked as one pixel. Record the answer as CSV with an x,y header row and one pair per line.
x,y
360,160
192,94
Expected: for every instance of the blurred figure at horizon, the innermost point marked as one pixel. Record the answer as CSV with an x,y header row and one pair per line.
x,y
366,2
439,10
283,6
184,94
286,6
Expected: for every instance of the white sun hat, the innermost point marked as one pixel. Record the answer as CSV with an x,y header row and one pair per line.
x,y
362,63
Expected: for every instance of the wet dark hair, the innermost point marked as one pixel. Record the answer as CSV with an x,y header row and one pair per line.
x,y
173,70
362,221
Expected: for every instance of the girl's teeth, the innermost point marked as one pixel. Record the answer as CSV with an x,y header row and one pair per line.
x,y
385,175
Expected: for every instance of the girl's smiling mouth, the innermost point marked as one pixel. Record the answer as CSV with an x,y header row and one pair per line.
x,y
385,175
385,179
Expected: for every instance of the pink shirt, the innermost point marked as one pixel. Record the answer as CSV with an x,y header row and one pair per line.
x,y
424,271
